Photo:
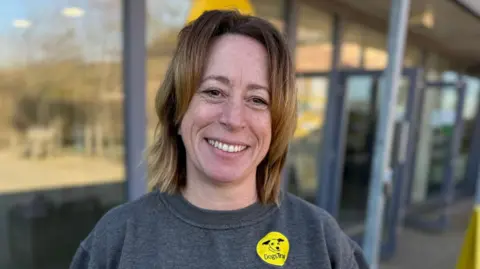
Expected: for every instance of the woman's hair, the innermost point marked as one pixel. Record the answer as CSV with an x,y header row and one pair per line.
x,y
167,156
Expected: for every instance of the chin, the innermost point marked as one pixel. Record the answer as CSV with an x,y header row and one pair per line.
x,y
222,176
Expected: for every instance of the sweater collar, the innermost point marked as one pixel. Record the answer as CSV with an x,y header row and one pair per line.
x,y
216,219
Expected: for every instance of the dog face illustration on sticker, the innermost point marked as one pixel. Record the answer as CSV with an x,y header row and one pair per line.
x,y
273,248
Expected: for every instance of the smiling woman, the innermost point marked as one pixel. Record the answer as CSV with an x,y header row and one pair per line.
x,y
226,111
223,93
230,108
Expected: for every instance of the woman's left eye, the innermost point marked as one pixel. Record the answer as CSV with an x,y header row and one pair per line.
x,y
259,101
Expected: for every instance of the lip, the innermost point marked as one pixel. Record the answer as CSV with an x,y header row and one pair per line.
x,y
226,141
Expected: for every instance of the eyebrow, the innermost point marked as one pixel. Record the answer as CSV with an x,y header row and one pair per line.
x,y
226,81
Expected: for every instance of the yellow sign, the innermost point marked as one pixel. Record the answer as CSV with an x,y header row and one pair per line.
x,y
273,248
199,6
470,254
308,122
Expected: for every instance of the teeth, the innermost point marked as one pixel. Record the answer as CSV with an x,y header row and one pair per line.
x,y
226,147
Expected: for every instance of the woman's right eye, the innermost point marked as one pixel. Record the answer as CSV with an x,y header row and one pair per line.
x,y
213,93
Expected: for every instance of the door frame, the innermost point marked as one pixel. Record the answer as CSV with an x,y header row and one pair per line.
x,y
414,213
332,185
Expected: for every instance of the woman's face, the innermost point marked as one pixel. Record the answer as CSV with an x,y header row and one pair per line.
x,y
227,127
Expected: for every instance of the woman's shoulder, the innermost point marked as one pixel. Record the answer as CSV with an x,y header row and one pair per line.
x,y
116,220
301,212
315,222
137,208
297,207
109,234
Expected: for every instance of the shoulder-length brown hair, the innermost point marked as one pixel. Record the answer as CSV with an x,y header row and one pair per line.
x,y
166,157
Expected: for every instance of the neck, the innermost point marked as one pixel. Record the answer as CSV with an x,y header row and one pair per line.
x,y
225,196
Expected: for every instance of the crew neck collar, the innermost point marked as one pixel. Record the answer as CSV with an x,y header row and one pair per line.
x,y
216,219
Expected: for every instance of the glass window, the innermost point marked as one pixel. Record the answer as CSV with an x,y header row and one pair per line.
x,y
472,95
272,10
435,66
375,54
164,21
362,103
363,48
436,130
352,46
366,48
412,57
313,54
61,122
314,45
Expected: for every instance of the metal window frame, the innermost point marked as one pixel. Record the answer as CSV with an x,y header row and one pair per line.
x,y
134,80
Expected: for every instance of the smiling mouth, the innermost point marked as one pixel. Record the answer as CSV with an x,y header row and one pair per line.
x,y
226,147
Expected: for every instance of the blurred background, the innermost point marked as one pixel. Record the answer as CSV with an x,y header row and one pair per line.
x,y
62,127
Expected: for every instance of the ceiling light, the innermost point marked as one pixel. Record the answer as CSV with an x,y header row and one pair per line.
x,y
425,19
21,23
73,12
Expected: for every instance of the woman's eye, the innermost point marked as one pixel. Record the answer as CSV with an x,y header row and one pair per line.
x,y
213,93
259,101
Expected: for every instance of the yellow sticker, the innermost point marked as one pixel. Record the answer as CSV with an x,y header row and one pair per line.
x,y
273,248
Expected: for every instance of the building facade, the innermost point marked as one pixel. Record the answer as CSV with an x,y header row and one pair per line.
x,y
78,77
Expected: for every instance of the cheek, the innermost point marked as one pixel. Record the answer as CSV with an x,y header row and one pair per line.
x,y
197,116
263,127
186,123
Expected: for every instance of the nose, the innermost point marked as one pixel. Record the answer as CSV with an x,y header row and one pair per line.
x,y
233,114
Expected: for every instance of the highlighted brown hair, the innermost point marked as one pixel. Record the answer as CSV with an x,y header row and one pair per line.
x,y
166,157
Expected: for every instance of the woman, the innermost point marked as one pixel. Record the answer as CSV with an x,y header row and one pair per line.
x,y
226,110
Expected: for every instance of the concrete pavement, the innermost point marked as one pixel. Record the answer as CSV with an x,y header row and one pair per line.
x,y
421,250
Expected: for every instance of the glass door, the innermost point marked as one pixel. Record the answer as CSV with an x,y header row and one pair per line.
x,y
362,93
344,189
440,131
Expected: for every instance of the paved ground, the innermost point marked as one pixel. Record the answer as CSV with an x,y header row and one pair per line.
x,y
67,170
419,250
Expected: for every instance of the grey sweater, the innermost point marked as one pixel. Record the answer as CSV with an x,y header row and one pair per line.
x,y
166,231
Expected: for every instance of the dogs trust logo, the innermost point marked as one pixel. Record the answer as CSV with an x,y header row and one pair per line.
x,y
273,248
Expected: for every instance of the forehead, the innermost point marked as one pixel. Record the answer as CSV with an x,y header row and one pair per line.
x,y
235,54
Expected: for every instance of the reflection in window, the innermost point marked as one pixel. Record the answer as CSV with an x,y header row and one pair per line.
x,y
435,66
313,54
314,46
375,56
435,133
412,56
312,97
61,122
472,96
363,48
270,10
366,48
352,46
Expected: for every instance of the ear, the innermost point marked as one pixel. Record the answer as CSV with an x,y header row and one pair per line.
x,y
266,242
